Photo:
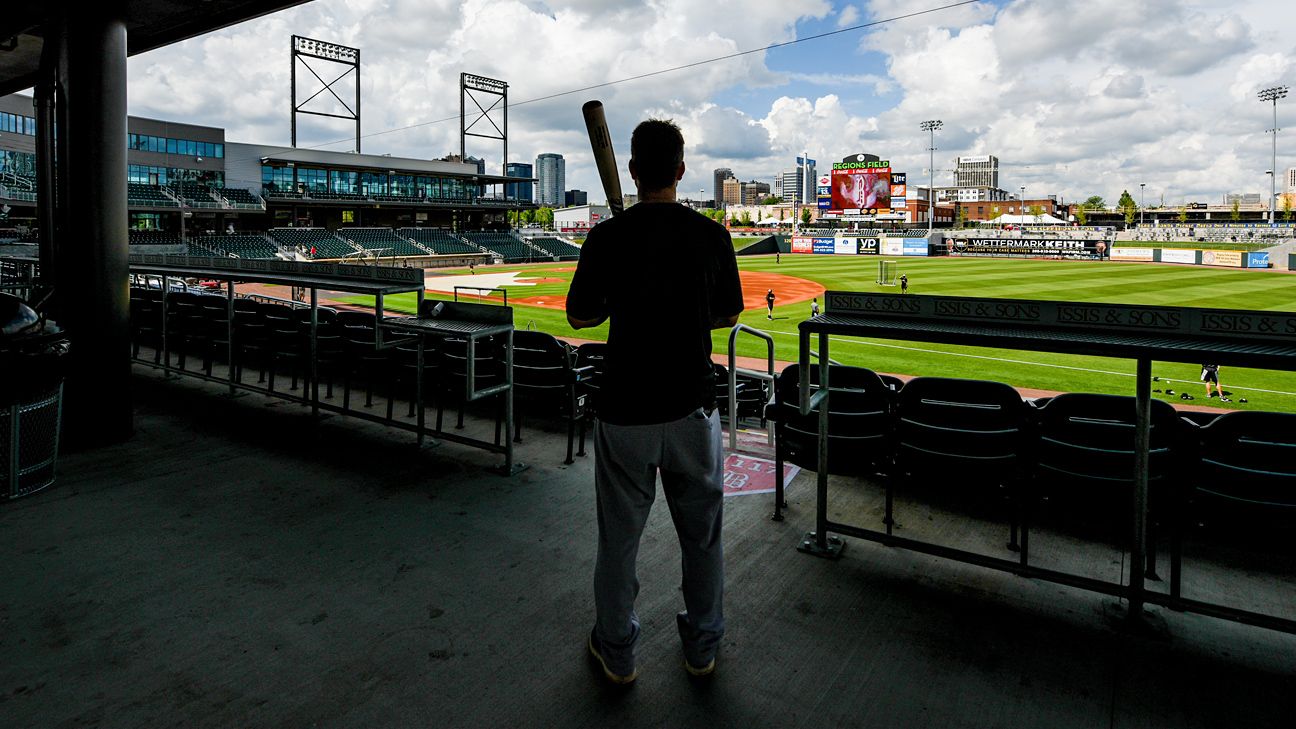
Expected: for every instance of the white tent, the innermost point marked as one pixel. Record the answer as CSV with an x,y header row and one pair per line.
x,y
1042,219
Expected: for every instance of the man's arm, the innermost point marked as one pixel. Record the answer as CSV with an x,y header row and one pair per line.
x,y
587,323
586,298
722,323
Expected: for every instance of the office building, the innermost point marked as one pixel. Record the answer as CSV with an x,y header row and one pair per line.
x,y
575,197
977,171
551,179
719,175
521,191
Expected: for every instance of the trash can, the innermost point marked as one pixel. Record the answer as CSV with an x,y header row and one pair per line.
x,y
33,357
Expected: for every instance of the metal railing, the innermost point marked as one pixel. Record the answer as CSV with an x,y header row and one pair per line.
x,y
767,376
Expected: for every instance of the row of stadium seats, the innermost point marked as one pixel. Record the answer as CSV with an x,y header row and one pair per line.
x,y
274,340
556,247
152,238
323,242
1072,453
239,246
383,239
442,242
503,245
237,196
145,195
194,194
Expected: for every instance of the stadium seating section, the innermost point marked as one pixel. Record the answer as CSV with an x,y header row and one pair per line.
x,y
324,242
143,195
556,247
505,246
238,246
383,241
238,196
442,242
194,194
153,238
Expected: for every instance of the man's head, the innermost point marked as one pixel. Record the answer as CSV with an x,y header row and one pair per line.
x,y
656,155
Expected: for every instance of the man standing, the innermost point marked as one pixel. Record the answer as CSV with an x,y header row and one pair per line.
x,y
1210,375
904,284
769,304
814,306
656,408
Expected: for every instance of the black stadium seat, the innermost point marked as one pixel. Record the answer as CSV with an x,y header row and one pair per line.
x,y
546,382
859,425
960,437
1085,460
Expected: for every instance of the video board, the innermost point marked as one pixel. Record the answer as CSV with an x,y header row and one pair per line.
x,y
860,187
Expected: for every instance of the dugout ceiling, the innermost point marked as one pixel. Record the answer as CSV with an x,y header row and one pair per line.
x,y
150,24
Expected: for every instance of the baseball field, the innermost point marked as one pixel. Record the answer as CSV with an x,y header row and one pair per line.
x,y
538,291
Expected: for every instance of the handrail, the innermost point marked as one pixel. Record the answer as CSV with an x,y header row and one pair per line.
x,y
733,379
479,289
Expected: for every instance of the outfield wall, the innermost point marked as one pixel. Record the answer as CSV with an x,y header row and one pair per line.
x,y
864,245
1193,257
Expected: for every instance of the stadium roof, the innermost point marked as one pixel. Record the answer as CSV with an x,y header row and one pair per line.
x,y
150,24
374,161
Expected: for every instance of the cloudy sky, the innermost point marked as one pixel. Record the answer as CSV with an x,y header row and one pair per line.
x,y
1075,98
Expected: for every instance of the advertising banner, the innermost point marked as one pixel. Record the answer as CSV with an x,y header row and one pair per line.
x,y
1178,255
824,245
892,247
866,246
844,246
1257,259
825,203
1021,247
914,247
899,178
802,244
898,203
1222,258
1133,254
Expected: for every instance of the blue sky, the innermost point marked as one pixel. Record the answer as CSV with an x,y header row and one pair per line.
x,y
1075,97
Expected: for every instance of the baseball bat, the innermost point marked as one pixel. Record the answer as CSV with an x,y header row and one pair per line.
x,y
604,157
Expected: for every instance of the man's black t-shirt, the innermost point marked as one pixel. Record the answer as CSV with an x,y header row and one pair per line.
x,y
662,273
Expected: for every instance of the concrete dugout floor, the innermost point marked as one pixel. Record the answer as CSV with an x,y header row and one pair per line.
x,y
237,564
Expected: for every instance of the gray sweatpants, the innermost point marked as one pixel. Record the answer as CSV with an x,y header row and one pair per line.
x,y
689,455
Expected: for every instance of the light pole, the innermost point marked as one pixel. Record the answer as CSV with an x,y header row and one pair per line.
x,y
1273,94
1141,186
1021,205
930,126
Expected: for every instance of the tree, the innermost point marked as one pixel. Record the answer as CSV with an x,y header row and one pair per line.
x,y
960,218
544,217
1037,211
1287,207
1183,214
1235,213
805,216
745,221
1128,207
772,200
1082,214
1095,202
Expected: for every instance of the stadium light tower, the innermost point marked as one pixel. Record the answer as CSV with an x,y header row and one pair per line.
x,y
1141,186
930,126
1273,94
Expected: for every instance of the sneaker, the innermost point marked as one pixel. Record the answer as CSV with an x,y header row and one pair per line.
x,y
706,670
621,679
688,635
1225,399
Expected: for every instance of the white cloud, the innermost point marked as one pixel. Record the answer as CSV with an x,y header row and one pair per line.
x,y
1076,98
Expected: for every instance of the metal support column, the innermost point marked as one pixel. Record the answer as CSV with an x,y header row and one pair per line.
x,y
93,275
1142,438
818,542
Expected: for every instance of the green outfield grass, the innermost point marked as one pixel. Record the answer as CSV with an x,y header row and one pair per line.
x,y
1093,281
